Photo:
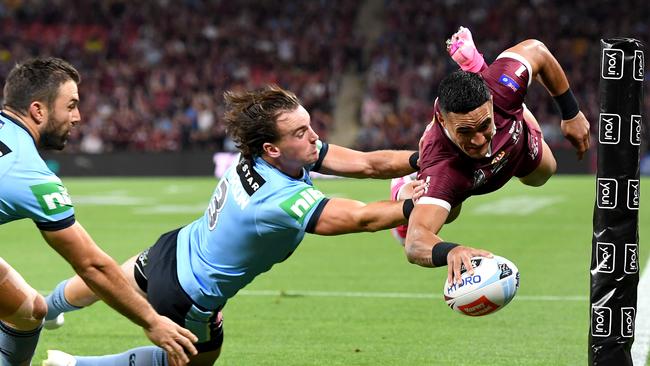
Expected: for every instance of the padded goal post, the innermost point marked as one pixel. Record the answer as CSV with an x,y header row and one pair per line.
x,y
614,255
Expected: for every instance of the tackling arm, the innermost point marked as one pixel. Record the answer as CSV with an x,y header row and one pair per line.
x,y
374,164
103,275
343,216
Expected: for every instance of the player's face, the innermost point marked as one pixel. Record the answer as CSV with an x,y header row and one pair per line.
x,y
297,142
472,132
62,116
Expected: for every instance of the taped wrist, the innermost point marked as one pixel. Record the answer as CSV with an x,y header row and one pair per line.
x,y
439,253
407,207
413,160
567,104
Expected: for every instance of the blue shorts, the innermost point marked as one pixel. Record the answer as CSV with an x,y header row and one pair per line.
x,y
155,273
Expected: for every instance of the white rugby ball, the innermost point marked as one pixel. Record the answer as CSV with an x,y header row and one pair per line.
x,y
494,283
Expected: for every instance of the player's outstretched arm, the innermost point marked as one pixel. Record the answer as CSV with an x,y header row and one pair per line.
x,y
103,275
548,71
424,247
346,162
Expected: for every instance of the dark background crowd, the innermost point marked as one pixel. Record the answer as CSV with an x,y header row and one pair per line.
x,y
154,71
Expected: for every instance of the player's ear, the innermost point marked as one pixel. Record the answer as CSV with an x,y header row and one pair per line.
x,y
271,150
38,112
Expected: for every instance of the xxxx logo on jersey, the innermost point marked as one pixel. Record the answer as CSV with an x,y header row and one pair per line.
x,y
52,197
298,205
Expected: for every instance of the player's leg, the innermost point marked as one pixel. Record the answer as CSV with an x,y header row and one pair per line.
x,y
154,273
73,294
21,314
399,189
547,165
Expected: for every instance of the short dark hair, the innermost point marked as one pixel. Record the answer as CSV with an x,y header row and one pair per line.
x,y
37,79
251,116
461,92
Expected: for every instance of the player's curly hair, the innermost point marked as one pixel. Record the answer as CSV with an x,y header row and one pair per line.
x,y
37,79
461,92
251,116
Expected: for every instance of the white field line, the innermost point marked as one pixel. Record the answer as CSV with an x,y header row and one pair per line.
x,y
392,295
641,344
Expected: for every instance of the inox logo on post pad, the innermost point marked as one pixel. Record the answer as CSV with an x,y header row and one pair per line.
x,y
635,129
607,193
633,194
601,321
627,321
612,64
605,256
609,128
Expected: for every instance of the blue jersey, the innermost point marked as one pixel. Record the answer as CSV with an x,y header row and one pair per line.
x,y
28,188
256,218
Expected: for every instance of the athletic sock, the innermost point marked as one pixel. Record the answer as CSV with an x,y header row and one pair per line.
x,y
56,302
17,346
142,356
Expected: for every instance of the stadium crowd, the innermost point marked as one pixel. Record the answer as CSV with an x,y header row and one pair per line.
x,y
154,71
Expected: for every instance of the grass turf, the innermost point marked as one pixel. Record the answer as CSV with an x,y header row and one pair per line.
x,y
313,317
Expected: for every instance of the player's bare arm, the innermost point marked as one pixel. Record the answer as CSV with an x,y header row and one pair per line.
x,y
343,216
103,275
346,162
425,248
548,71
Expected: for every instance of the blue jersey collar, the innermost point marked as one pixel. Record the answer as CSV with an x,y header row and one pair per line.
x,y
18,123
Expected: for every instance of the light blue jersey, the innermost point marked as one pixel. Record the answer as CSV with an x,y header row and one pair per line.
x,y
28,188
256,218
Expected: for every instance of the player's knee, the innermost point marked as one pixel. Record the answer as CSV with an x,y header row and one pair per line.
x,y
39,309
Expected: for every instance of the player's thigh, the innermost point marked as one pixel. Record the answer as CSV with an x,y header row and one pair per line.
x,y
545,170
128,268
20,305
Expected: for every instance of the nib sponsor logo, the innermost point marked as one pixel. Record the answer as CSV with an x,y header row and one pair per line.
x,y
601,321
631,259
612,64
627,321
607,192
633,194
605,255
609,128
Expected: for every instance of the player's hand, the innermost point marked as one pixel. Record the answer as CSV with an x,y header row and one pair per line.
x,y
413,190
576,130
462,255
174,339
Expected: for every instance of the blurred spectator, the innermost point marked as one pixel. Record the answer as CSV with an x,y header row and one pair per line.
x,y
154,71
409,59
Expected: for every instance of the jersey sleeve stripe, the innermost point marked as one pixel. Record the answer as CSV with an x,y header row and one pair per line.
x,y
321,157
434,201
56,225
313,220
521,59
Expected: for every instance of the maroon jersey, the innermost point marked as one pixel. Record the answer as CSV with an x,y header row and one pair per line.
x,y
516,147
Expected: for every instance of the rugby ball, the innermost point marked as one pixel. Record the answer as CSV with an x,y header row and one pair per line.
x,y
492,286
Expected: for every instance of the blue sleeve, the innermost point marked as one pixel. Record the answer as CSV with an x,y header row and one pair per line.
x,y
43,199
298,203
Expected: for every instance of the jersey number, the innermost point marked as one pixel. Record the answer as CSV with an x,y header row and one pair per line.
x,y
217,203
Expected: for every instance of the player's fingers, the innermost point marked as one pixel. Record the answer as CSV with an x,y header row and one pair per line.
x,y
186,342
482,253
178,353
457,271
450,271
467,261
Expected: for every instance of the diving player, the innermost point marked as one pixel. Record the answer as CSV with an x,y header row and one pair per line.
x,y
481,136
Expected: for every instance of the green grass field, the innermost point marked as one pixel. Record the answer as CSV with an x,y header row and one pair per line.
x,y
354,299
